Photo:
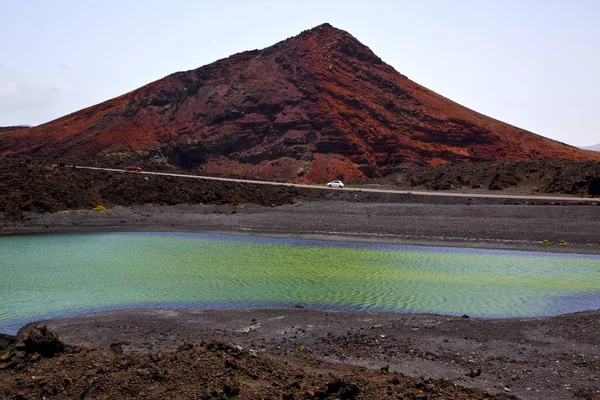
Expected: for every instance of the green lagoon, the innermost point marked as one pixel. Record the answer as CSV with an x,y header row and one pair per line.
x,y
43,276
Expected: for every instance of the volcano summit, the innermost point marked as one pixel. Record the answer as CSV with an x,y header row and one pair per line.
x,y
309,108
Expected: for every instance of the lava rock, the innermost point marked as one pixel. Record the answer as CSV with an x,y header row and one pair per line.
x,y
594,188
41,340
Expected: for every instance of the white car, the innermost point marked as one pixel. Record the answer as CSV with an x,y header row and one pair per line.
x,y
337,184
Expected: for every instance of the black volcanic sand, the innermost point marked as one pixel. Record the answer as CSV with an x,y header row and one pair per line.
x,y
536,358
518,227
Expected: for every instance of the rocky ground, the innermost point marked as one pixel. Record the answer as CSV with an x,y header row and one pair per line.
x,y
28,185
36,187
543,176
556,228
297,353
308,354
206,370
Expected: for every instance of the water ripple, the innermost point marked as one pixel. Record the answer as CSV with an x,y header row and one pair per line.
x,y
61,274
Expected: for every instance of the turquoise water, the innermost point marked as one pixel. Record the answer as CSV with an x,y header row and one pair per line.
x,y
59,275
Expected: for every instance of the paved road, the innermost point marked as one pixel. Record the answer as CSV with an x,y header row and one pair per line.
x,y
414,193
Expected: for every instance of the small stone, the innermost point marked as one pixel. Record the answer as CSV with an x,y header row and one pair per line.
x,y
474,373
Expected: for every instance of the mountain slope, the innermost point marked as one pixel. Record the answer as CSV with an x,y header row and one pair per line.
x,y
13,128
313,107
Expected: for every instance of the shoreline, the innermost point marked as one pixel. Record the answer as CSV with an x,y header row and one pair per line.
x,y
516,355
309,221
451,242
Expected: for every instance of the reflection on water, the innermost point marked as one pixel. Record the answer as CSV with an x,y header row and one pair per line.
x,y
51,275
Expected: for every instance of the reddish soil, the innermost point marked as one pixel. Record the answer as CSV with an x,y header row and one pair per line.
x,y
311,108
12,128
214,370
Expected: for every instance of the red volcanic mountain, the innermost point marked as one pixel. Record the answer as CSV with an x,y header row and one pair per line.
x,y
309,108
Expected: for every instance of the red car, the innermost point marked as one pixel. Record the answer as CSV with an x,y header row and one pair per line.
x,y
137,169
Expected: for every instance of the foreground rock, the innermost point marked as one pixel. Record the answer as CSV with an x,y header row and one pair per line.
x,y
30,344
215,370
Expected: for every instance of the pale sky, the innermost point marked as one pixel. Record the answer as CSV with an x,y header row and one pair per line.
x,y
534,64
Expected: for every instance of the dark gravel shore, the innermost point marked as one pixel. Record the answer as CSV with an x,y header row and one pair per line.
x,y
537,358
534,358
406,220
